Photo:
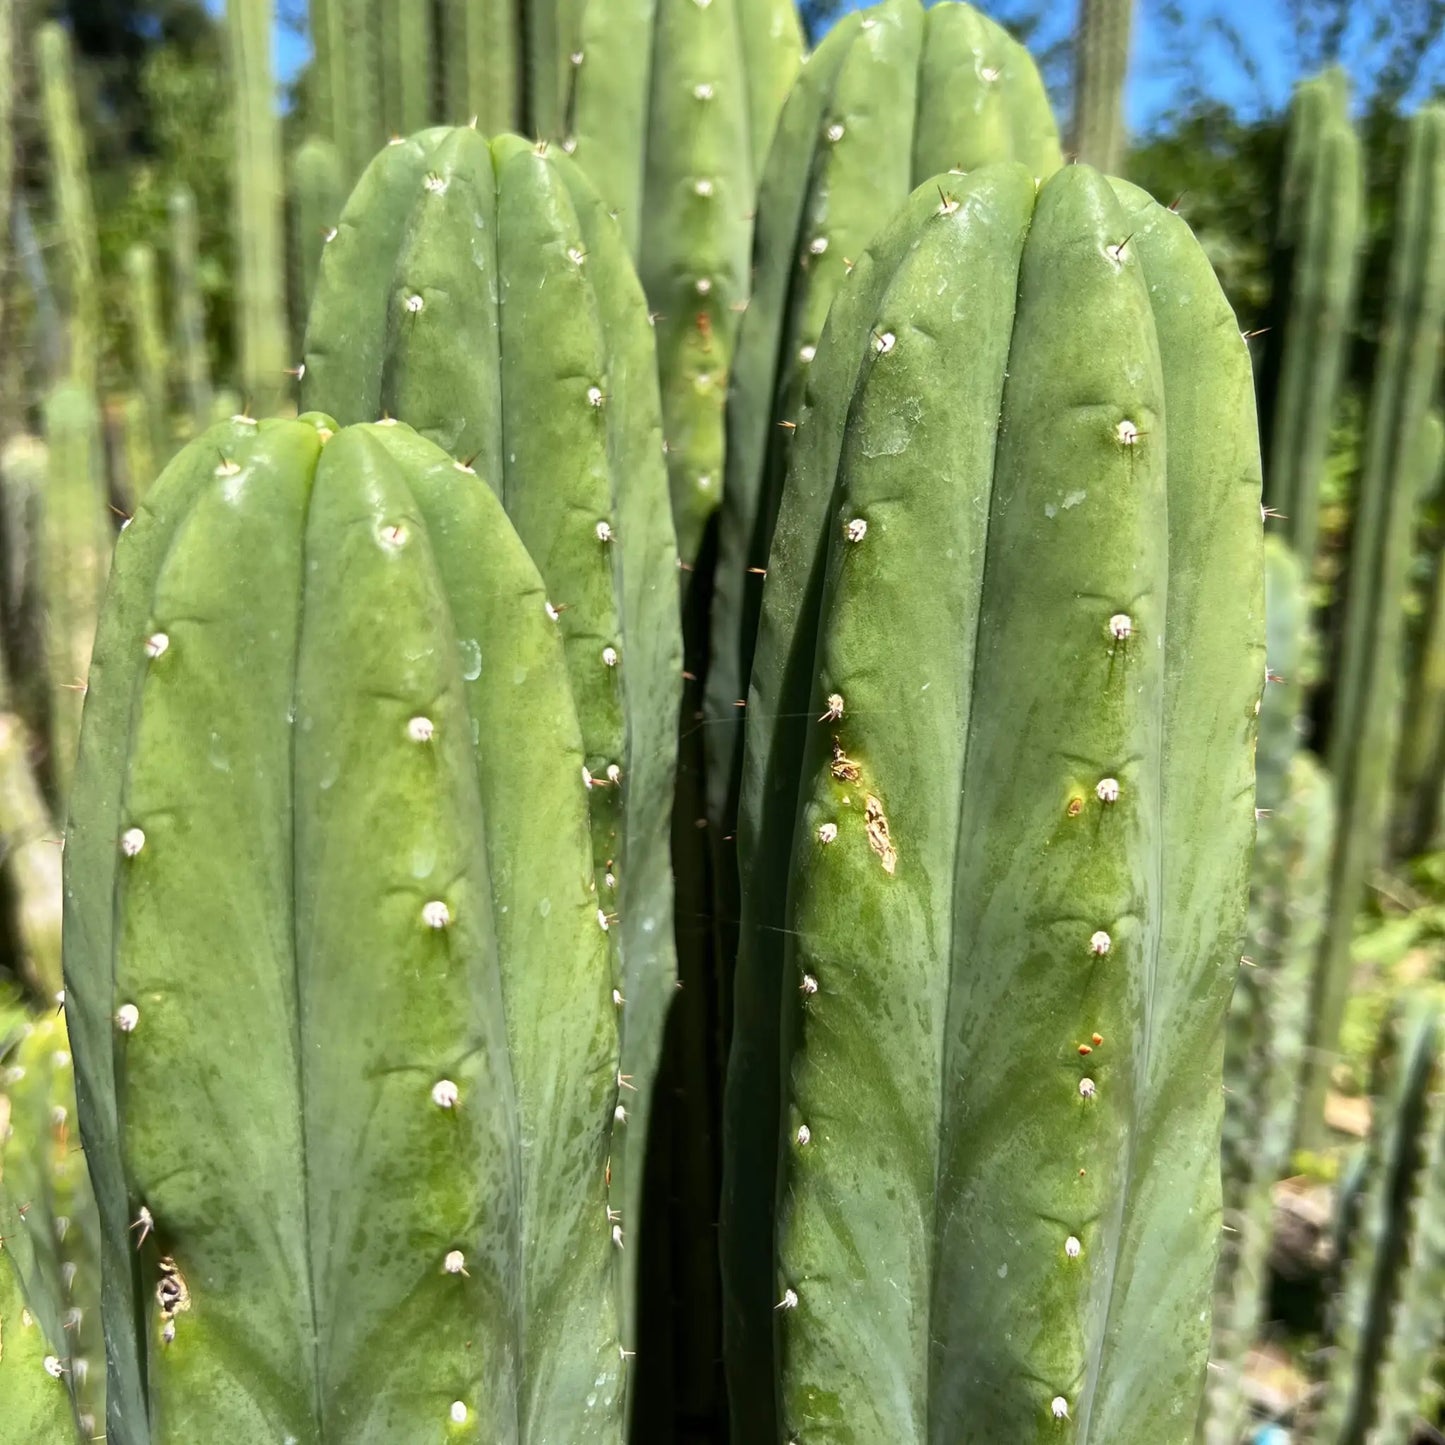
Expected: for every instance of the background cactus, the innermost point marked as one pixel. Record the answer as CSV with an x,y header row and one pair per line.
x,y
74,553
1409,1095
1401,457
48,1224
317,195
74,210
1101,64
550,398
671,113
416,1233
969,1080
189,312
1321,230
260,240
962,93
149,362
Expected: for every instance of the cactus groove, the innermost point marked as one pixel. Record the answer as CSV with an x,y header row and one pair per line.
x,y
1002,965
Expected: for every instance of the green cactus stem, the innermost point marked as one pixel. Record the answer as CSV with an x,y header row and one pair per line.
x,y
49,1229
1401,455
1101,66
406,65
1408,1092
1321,230
74,555
965,94
318,192
998,1010
551,399
392,1215
189,311
260,229
149,362
1263,1062
74,210
672,111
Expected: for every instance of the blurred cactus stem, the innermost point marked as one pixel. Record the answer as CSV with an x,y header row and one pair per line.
x,y
149,362
318,192
260,225
1101,66
74,209
189,314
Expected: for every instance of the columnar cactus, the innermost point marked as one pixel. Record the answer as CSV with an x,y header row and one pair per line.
x,y
1101,66
960,93
49,1230
74,554
148,359
1420,781
480,292
345,1026
1371,1332
74,210
406,65
1400,457
259,186
189,312
318,193
672,110
1001,764
1321,229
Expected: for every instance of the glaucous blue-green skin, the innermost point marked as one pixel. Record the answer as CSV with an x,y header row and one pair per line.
x,y
530,357
892,95
996,890
671,114
314,651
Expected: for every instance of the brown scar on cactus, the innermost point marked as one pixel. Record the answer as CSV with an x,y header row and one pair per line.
x,y
843,767
875,824
172,1296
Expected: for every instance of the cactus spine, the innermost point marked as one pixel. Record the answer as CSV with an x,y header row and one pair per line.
x,y
394,1219
190,312
149,362
976,883
74,208
548,395
74,553
673,107
966,94
1401,454
1322,228
1101,66
260,232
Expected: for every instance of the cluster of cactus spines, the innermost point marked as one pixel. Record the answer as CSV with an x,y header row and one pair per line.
x,y
74,542
390,1217
530,360
74,210
1400,458
149,362
671,112
318,192
259,185
1321,230
1001,1009
48,1224
962,93
189,310
1408,1093
1101,66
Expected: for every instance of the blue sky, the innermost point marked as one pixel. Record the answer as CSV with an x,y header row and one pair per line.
x,y
1153,84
